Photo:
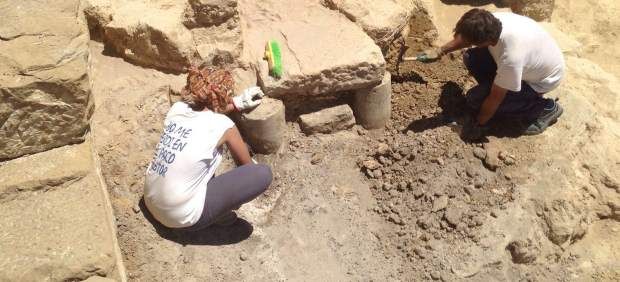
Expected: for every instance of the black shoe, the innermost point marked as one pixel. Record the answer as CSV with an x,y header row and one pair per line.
x,y
548,117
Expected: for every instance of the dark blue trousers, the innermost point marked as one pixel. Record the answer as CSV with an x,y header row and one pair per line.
x,y
526,104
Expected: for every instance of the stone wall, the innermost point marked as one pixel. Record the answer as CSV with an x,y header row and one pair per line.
x,y
44,88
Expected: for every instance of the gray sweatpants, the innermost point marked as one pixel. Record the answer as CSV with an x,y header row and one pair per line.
x,y
232,189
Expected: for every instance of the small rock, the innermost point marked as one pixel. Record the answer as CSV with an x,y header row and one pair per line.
x,y
506,158
469,190
420,252
453,215
371,164
402,186
480,153
383,149
383,160
478,182
243,257
317,158
491,162
470,171
440,203
417,193
136,208
378,173
387,187
396,219
523,251
461,226
424,222
361,131
467,268
435,275
396,156
610,182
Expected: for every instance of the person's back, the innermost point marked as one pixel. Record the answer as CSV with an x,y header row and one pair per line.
x,y
526,52
185,160
180,189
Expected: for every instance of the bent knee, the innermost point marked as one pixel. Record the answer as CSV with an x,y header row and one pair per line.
x,y
263,175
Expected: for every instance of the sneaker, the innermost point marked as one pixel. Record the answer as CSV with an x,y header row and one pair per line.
x,y
548,117
227,219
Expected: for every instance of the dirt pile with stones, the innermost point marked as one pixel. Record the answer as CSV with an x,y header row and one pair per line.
x,y
434,188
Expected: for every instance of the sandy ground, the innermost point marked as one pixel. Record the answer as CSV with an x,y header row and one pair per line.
x,y
412,202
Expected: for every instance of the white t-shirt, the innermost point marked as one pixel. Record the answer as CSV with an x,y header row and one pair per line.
x,y
526,52
185,160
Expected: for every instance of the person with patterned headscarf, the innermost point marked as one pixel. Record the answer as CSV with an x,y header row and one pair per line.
x,y
180,188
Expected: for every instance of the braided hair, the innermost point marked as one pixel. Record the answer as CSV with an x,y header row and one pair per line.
x,y
208,87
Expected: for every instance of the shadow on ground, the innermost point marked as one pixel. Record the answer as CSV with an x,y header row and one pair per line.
x,y
213,235
454,109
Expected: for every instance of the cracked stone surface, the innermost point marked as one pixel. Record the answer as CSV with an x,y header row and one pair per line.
x,y
68,163
55,223
322,51
381,20
167,35
44,91
59,235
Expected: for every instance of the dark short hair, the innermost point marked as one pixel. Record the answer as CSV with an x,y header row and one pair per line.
x,y
479,26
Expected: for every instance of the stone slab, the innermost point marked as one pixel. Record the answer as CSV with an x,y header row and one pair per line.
x,y
167,35
44,89
58,235
328,120
322,50
381,20
44,171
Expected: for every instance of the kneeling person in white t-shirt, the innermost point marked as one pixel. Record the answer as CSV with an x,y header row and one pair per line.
x,y
515,62
180,190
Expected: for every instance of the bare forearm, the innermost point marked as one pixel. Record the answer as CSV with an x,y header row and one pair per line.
x,y
455,44
237,147
490,104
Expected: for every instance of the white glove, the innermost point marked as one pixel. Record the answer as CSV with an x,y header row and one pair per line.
x,y
250,98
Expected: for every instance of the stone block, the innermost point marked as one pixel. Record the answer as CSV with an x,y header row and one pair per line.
x,y
327,120
381,20
150,35
44,86
167,35
59,235
264,127
209,12
44,171
373,107
538,10
322,51
98,14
